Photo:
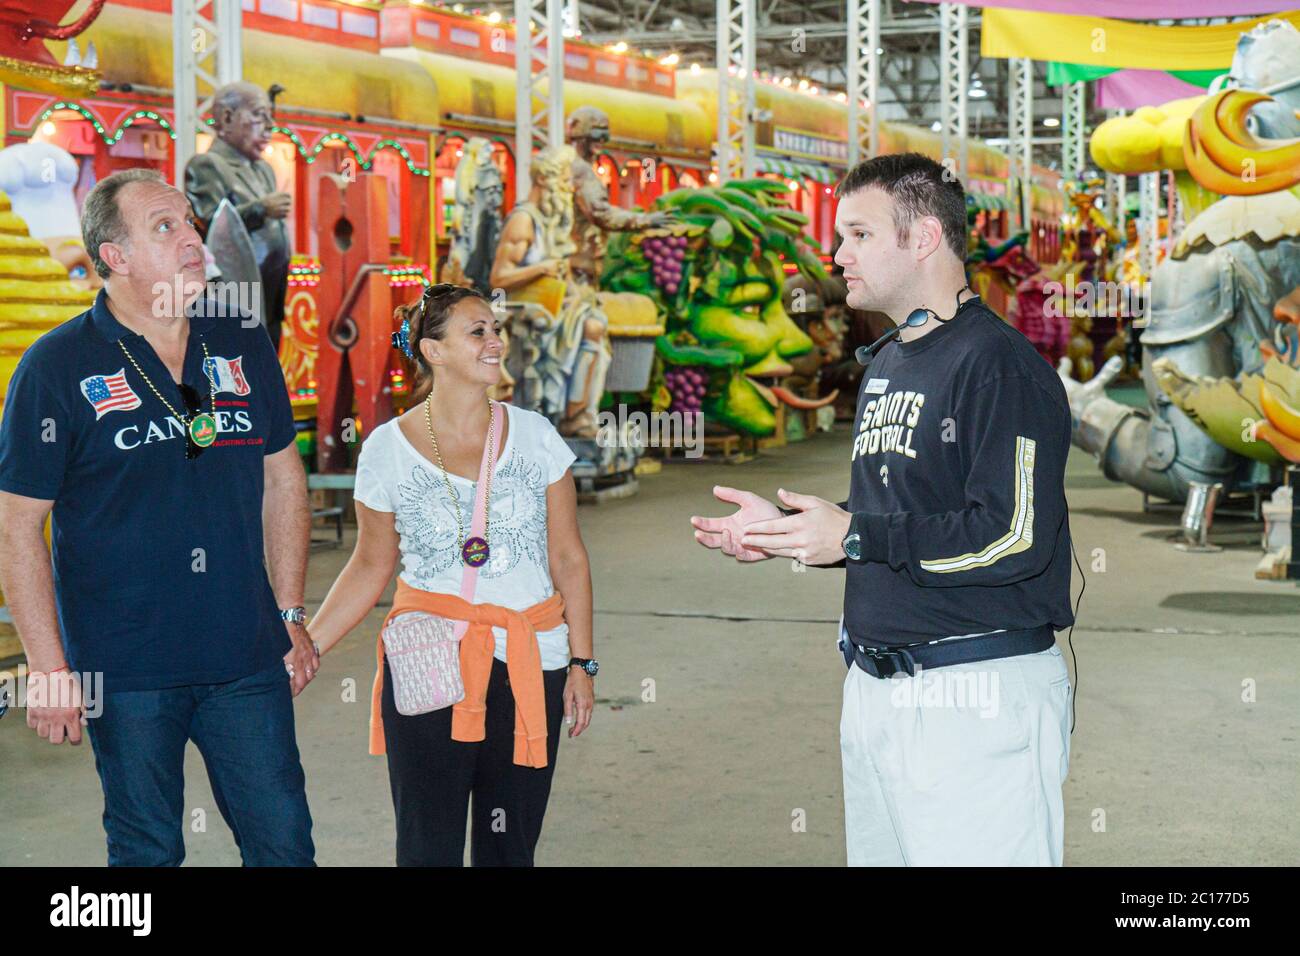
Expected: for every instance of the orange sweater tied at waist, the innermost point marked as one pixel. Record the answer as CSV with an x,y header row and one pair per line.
x,y
523,662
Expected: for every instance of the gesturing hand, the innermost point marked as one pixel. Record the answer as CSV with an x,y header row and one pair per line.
x,y
814,536
725,533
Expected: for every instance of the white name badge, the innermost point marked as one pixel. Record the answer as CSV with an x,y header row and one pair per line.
x,y
877,386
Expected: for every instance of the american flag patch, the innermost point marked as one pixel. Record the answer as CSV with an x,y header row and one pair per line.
x,y
109,393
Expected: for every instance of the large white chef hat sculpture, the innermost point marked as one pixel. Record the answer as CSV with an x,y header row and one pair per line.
x,y
39,179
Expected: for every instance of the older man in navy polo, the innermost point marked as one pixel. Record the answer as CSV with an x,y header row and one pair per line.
x,y
160,438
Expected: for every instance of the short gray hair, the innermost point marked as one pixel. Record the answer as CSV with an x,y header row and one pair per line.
x,y
234,96
101,217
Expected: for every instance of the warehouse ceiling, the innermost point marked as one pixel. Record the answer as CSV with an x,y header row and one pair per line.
x,y
808,38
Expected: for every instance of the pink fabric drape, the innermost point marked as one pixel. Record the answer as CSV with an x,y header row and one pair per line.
x,y
1129,89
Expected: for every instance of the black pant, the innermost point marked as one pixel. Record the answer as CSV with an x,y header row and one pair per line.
x,y
432,777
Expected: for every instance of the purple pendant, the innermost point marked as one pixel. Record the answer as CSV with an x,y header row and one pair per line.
x,y
475,552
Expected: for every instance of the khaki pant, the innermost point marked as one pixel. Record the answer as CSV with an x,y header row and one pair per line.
x,y
957,766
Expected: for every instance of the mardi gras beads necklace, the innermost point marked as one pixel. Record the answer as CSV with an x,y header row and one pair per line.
x,y
473,552
202,427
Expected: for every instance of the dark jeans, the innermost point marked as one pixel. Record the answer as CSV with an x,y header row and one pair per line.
x,y
432,777
243,729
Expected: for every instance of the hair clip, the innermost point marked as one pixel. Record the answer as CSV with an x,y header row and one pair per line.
x,y
402,339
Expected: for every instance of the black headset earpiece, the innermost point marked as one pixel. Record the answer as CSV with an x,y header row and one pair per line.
x,y
918,317
915,319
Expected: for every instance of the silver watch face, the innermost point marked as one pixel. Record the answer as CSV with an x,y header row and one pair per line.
x,y
294,615
853,546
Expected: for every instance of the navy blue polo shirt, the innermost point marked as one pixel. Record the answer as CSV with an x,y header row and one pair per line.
x,y
159,575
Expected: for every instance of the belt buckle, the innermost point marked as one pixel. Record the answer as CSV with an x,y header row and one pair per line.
x,y
891,662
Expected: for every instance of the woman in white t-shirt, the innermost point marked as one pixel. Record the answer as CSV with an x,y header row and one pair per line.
x,y
415,491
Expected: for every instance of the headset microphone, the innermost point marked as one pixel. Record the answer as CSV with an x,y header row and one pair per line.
x,y
915,319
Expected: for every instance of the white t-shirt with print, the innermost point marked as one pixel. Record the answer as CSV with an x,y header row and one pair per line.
x,y
392,476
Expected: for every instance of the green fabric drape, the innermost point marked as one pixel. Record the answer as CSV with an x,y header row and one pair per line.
x,y
1060,73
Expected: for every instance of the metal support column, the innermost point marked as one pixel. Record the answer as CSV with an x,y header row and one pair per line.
x,y
539,59
206,53
1177,221
1116,197
1148,221
954,67
1116,185
735,89
862,69
1074,133
1020,141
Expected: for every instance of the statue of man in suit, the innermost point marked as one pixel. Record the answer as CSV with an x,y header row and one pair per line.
x,y
234,169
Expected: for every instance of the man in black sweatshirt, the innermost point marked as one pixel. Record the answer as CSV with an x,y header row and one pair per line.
x,y
956,544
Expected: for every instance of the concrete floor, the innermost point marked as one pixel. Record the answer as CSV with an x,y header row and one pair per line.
x,y
743,728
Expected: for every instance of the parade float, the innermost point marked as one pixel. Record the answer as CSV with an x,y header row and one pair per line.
x,y
717,274
344,114
393,94
1057,306
803,145
38,259
36,294
1220,341
38,288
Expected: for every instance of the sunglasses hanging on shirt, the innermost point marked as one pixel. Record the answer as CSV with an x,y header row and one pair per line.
x,y
915,319
200,426
193,408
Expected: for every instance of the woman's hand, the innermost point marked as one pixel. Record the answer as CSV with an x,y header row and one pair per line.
x,y
359,585
579,699
303,660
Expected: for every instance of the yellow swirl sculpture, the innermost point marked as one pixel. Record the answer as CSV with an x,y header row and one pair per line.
x,y
1204,135
1224,156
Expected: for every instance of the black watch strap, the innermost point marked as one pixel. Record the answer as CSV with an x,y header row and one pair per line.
x,y
590,666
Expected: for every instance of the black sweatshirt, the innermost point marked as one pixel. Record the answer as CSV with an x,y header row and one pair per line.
x,y
958,487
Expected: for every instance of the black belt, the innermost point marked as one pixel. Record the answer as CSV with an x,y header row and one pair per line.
x,y
882,660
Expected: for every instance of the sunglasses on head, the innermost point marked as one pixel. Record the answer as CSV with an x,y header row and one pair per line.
x,y
439,288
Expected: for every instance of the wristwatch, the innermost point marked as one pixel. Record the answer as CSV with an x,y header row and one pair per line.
x,y
590,666
293,615
852,545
